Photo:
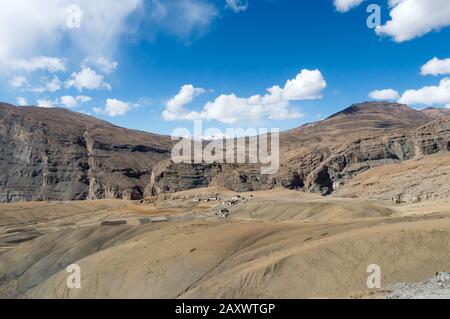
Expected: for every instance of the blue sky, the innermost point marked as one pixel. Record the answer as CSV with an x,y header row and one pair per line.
x,y
128,65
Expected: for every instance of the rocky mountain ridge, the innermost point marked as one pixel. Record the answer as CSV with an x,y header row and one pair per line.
x,y
321,157
56,154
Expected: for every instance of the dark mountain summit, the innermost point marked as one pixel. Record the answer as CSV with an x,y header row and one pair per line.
x,y
384,114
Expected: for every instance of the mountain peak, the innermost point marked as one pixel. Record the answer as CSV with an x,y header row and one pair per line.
x,y
436,112
373,107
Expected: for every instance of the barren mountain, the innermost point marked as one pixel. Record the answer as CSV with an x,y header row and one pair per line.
x,y
386,166
436,112
413,181
321,157
55,154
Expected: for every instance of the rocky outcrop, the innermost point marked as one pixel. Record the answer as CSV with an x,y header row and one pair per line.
x,y
437,287
321,157
364,154
169,177
55,154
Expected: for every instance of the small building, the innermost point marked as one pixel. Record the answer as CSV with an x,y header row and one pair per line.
x,y
231,203
223,212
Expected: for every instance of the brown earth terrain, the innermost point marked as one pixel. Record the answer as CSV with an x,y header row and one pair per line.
x,y
274,244
369,185
55,154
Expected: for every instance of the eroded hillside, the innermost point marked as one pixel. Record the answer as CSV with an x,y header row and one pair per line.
x,y
55,154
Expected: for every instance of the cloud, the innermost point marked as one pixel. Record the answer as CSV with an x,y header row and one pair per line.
x,y
237,5
114,108
46,103
46,85
87,79
51,64
185,19
387,94
83,98
436,67
52,85
415,18
32,30
102,63
274,105
175,105
144,101
346,5
71,102
34,35
28,27
18,82
66,101
428,95
22,101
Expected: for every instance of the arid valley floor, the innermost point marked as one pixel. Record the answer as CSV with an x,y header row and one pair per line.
x,y
274,244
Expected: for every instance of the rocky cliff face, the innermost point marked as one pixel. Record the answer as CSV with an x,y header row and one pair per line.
x,y
55,154
361,155
321,157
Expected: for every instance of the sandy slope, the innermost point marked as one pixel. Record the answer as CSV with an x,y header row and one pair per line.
x,y
420,179
305,247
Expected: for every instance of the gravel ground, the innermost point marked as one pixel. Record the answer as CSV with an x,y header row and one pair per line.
x,y
435,288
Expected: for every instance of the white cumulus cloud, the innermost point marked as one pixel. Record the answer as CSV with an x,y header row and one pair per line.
x,y
415,18
66,101
87,79
428,95
386,94
102,63
83,98
46,103
28,27
114,108
436,67
237,5
175,105
346,5
275,104
51,64
47,85
69,101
